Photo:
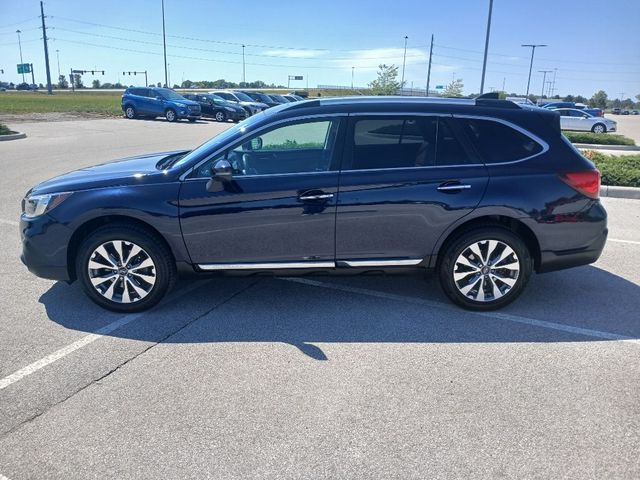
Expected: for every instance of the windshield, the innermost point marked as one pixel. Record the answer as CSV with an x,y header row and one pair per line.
x,y
169,94
243,97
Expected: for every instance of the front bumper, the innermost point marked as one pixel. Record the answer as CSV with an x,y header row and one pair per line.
x,y
44,247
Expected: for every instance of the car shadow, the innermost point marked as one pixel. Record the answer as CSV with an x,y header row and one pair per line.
x,y
364,309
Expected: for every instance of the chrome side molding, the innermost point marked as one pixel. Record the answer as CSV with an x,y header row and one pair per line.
x,y
391,262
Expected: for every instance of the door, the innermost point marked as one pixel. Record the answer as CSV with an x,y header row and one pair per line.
x,y
278,211
405,179
567,121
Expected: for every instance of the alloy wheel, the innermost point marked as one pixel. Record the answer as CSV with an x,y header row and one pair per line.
x,y
486,270
130,112
121,271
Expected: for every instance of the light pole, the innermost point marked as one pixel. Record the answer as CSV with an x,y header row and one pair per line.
x,y
58,58
533,51
352,72
486,48
404,61
164,44
544,79
168,75
244,80
20,47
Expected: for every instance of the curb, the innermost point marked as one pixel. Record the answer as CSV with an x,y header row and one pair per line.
x,y
620,192
12,136
588,146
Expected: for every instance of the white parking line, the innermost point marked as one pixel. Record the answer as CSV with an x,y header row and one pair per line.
x,y
444,306
632,242
12,223
86,340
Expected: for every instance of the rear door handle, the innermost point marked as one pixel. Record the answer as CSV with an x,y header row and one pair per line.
x,y
319,196
453,187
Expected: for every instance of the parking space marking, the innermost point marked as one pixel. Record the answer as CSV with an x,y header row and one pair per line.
x,y
450,308
86,340
632,242
12,223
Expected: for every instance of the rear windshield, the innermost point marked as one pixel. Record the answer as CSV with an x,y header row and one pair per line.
x,y
243,97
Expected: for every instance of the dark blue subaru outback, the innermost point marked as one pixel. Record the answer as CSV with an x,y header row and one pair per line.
x,y
483,191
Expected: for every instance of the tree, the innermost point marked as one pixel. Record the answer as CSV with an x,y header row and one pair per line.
x,y
95,83
77,80
599,100
187,84
62,82
569,98
454,89
387,82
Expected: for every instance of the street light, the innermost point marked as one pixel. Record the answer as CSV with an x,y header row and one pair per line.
x,y
404,61
544,79
244,80
352,72
58,57
164,44
533,51
20,47
486,48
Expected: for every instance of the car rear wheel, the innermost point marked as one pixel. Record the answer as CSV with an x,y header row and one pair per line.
x,y
170,115
599,128
485,268
130,112
124,268
221,116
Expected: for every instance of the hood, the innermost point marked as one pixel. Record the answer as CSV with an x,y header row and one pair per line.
x,y
128,171
185,101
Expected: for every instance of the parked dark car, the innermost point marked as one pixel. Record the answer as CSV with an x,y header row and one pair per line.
x,y
594,112
616,111
262,98
218,108
291,98
251,106
625,112
279,99
483,191
158,102
634,112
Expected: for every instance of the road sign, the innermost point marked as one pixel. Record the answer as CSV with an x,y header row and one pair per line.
x,y
297,77
24,68
439,87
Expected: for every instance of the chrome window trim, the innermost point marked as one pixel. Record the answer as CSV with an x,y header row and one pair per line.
x,y
264,265
412,168
264,127
526,133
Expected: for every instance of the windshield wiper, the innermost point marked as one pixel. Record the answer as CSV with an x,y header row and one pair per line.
x,y
170,161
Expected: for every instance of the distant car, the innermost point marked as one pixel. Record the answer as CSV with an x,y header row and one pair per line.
x,y
218,108
3,89
596,112
245,101
26,86
634,112
616,111
297,97
280,99
291,98
158,102
625,112
262,98
578,120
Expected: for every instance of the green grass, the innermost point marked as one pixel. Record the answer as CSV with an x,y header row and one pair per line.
x,y
617,170
598,138
103,103
4,130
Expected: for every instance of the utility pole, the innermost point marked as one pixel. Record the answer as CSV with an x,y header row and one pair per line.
x,y
352,72
168,73
552,90
429,69
46,51
164,44
20,47
533,51
58,58
504,81
404,61
544,79
244,80
486,48
33,77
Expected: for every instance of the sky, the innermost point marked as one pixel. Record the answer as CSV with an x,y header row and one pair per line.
x,y
593,44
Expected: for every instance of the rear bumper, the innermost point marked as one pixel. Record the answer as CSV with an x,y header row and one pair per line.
x,y
552,261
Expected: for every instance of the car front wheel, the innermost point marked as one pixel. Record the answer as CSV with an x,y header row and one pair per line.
x,y
124,268
599,128
221,116
170,115
485,269
130,112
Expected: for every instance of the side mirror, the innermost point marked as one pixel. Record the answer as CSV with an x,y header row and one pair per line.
x,y
256,143
222,171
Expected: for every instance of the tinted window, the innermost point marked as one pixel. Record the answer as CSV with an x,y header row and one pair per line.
x,y
296,148
138,91
497,142
405,142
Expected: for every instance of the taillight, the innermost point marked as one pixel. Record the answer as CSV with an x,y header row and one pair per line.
x,y
586,182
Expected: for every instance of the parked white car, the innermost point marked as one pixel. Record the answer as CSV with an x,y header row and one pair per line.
x,y
575,119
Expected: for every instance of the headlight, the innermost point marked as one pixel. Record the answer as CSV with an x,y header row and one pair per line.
x,y
35,205
181,105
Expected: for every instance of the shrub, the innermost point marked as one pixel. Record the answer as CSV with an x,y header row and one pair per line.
x,y
617,170
598,138
4,130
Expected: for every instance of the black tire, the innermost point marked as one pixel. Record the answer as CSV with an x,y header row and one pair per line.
x,y
171,115
164,267
130,112
447,267
220,116
192,120
599,126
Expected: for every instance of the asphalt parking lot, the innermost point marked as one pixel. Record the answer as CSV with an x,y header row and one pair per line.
x,y
349,377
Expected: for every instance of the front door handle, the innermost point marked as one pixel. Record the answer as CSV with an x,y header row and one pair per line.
x,y
453,187
318,196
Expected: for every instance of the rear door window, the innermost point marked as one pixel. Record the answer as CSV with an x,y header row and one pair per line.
x,y
497,142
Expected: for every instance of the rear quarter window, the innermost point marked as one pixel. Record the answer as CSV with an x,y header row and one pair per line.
x,y
497,142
